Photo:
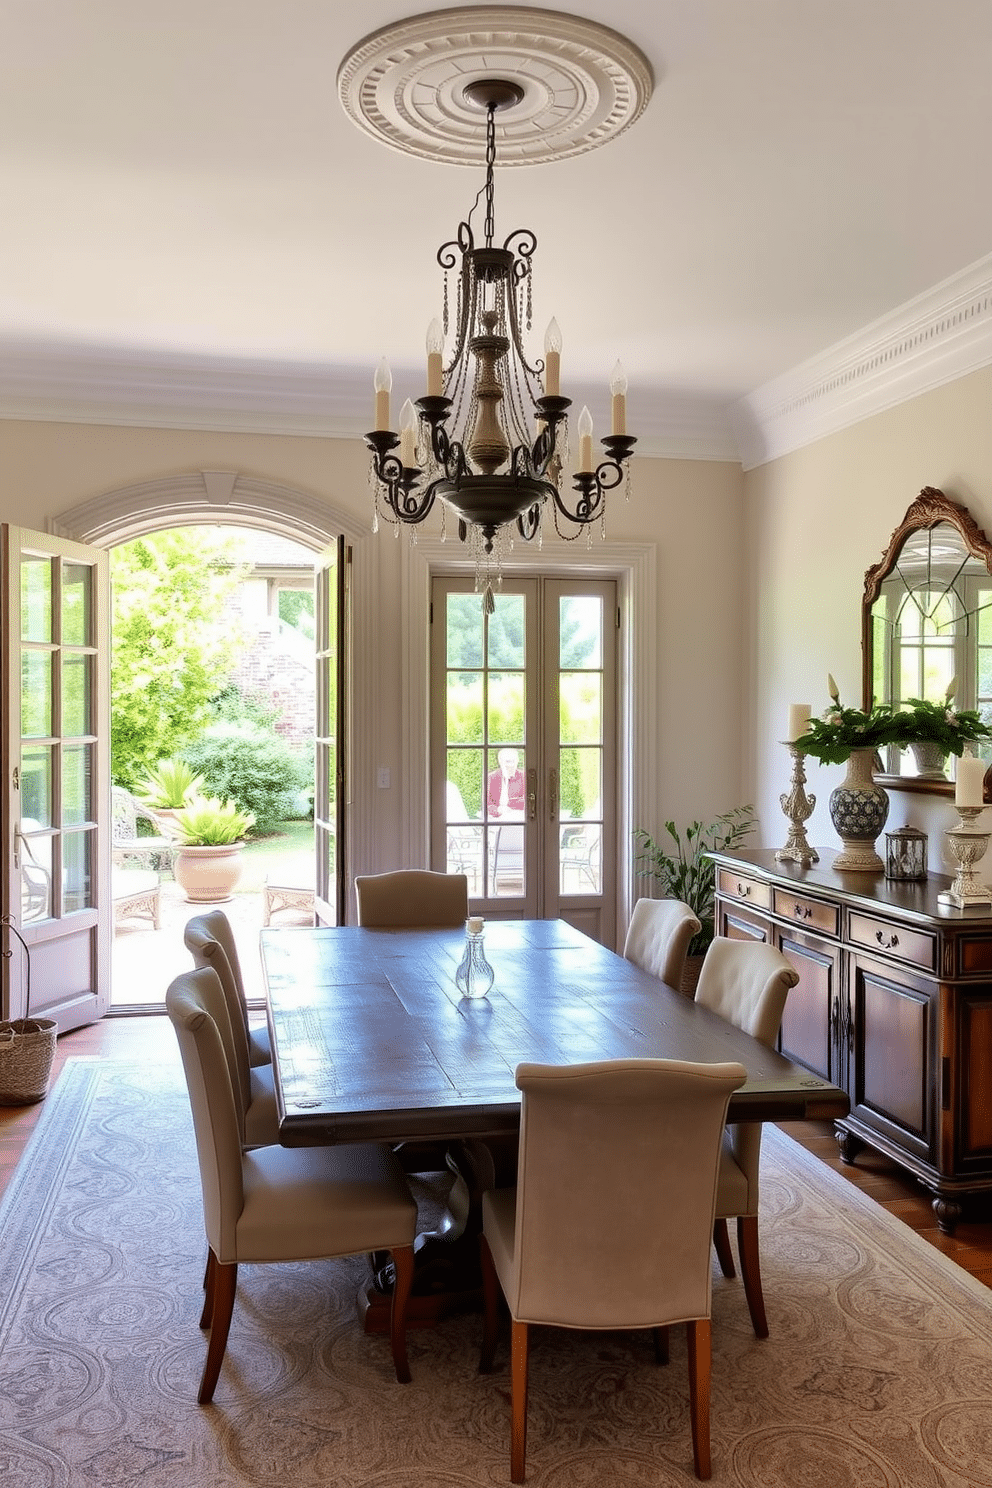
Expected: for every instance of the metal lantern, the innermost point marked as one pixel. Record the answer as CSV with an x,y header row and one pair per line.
x,y
906,853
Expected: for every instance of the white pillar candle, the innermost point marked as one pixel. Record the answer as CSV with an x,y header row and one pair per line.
x,y
969,784
799,715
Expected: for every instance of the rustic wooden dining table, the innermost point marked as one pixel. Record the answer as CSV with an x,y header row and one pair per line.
x,y
371,1041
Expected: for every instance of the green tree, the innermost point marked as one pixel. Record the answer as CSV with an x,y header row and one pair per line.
x,y
173,650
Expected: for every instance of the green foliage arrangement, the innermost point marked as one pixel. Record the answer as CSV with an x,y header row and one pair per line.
x,y
168,785
832,737
209,822
684,870
253,767
921,722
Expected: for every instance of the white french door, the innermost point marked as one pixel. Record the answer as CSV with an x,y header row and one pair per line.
x,y
332,574
524,747
56,777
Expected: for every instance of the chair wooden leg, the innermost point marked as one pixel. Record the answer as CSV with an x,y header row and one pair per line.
x,y
747,1246
721,1242
660,1345
518,1400
700,1362
225,1282
490,1307
209,1276
403,1266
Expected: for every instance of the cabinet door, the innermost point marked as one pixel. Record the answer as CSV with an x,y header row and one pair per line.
x,y
894,1042
734,923
812,1028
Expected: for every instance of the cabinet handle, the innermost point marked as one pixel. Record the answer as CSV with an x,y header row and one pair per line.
x,y
743,890
803,911
887,943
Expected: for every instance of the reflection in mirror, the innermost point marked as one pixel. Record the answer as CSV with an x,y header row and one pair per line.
x,y
927,623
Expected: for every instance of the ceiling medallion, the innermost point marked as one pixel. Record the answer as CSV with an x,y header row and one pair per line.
x,y
581,83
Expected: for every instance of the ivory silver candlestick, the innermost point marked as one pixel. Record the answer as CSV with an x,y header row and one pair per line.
x,y
798,807
967,842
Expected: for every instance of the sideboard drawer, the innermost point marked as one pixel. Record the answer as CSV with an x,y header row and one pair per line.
x,y
915,946
749,890
810,914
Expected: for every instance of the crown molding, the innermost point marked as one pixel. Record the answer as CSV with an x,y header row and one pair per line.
x,y
934,339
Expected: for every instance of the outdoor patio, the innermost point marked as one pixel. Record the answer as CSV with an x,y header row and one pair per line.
x,y
145,960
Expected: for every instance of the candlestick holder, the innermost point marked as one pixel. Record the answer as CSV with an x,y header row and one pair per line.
x,y
967,842
798,807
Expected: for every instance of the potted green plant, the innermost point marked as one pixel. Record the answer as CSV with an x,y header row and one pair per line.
x,y
166,788
935,730
858,806
211,836
681,864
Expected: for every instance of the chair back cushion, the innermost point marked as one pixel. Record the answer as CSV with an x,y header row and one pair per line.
x,y
658,938
616,1191
197,1006
208,949
747,983
412,898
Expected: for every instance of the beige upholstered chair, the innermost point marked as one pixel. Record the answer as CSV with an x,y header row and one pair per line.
x,y
611,1220
412,898
254,1085
747,983
658,938
278,1203
215,925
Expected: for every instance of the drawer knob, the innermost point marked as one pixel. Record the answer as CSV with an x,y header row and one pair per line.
x,y
887,942
743,890
803,911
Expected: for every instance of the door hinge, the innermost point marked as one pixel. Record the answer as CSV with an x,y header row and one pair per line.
x,y
16,779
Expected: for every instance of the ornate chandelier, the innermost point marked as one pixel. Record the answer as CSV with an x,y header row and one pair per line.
x,y
489,437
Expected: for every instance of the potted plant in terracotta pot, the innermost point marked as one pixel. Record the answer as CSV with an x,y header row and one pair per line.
x,y
166,788
685,871
211,836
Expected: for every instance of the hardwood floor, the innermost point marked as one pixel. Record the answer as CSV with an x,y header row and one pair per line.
x,y
151,1037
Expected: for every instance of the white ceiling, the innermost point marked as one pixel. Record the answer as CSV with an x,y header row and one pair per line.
x,y
195,230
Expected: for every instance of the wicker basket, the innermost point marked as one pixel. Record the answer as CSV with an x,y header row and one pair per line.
x,y
27,1049
27,1045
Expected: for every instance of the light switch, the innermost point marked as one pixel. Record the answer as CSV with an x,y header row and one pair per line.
x,y
382,778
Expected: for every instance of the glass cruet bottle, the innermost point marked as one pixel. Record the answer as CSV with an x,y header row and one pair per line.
x,y
474,976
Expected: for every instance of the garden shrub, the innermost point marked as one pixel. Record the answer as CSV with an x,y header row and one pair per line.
x,y
253,767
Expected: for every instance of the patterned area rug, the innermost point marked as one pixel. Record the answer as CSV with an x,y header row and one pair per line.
x,y
877,1374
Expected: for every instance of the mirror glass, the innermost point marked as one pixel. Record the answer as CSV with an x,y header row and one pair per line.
x,y
927,622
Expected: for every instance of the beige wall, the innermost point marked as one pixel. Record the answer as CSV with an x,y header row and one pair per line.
x,y
689,512
817,519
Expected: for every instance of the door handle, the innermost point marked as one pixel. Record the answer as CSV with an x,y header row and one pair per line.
x,y
531,795
552,795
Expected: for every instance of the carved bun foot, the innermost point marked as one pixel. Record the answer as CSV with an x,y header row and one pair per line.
x,y
948,1213
849,1146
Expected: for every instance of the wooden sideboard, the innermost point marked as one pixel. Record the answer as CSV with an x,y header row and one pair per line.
x,y
894,1004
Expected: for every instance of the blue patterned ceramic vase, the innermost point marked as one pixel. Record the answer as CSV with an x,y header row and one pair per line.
x,y
858,810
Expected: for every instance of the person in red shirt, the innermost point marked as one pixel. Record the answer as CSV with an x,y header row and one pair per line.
x,y
505,788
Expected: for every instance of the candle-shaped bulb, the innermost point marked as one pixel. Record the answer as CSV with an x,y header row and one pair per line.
x,y
408,435
382,382
552,360
435,353
618,389
585,440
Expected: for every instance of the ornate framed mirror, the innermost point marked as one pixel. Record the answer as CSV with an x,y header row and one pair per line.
x,y
926,620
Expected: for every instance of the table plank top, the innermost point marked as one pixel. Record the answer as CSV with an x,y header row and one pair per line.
x,y
372,1041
